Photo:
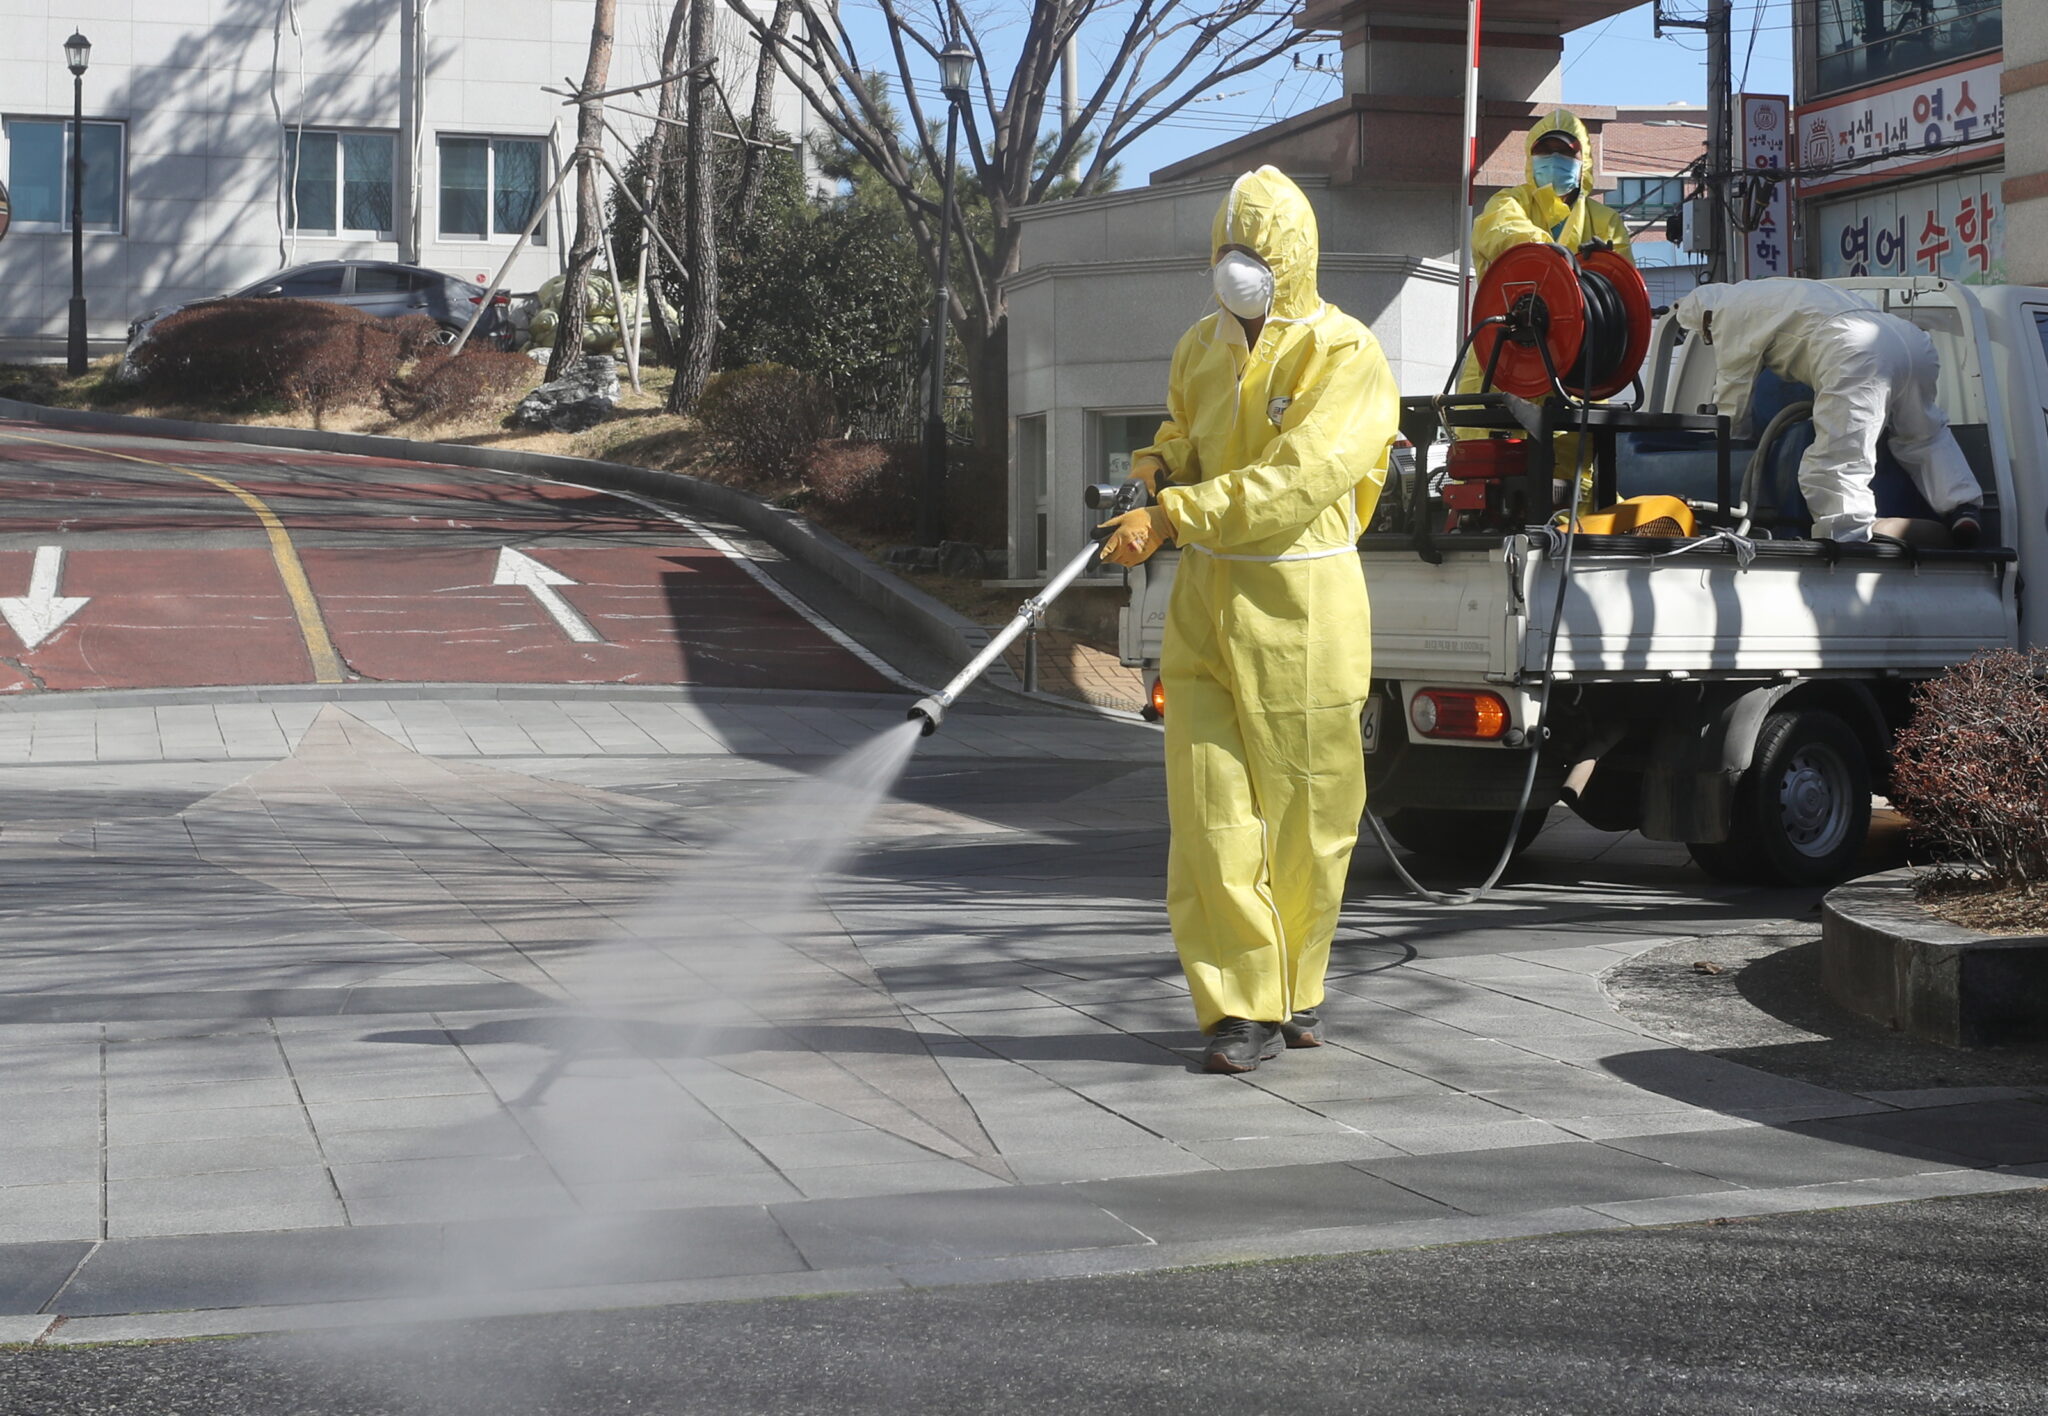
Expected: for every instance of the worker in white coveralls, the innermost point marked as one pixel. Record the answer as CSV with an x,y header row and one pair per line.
x,y
1866,368
1281,409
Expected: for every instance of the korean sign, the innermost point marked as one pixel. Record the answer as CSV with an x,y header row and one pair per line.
x,y
1766,250
1884,132
1953,227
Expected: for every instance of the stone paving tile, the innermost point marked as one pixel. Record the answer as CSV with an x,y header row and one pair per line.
x,y
140,1128
46,1164
1763,1157
1392,1113
1500,1135
926,1227
1541,1177
1982,1133
203,1157
249,1269
496,1135
1156,1157
1256,1201
902,1178
1247,1153
200,1096
684,1192
32,1274
65,1210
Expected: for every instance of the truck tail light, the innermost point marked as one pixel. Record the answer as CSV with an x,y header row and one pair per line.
x,y
1459,713
1156,700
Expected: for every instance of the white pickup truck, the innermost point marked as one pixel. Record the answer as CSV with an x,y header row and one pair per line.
x,y
1736,694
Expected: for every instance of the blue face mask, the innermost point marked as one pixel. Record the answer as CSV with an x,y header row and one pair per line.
x,y
1556,171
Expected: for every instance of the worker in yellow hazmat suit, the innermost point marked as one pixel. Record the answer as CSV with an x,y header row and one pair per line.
x,y
1553,206
1281,410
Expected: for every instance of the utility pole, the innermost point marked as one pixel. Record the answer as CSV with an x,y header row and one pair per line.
x,y
1719,146
1719,127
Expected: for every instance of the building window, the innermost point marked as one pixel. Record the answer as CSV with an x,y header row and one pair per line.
x,y
1865,41
1648,198
490,187
341,183
39,172
1033,493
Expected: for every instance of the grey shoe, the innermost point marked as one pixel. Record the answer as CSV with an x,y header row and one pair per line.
x,y
1240,1045
1966,526
1304,1029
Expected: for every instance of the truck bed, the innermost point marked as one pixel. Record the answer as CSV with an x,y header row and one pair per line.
x,y
1642,608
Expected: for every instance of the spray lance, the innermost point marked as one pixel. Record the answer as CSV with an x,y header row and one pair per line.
x,y
1109,500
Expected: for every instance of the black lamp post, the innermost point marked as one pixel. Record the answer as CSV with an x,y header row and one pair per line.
x,y
77,50
956,63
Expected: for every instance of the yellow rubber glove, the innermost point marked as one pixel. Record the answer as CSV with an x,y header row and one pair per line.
x,y
1136,535
1152,472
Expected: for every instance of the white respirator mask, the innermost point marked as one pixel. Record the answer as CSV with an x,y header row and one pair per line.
x,y
1244,286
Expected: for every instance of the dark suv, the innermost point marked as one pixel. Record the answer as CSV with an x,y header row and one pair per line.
x,y
382,288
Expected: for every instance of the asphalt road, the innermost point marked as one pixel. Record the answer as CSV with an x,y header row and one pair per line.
x,y
1939,1306
136,562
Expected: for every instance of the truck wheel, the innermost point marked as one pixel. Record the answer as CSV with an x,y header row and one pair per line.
x,y
1802,809
1462,837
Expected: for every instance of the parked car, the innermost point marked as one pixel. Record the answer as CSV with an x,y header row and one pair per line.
x,y
381,288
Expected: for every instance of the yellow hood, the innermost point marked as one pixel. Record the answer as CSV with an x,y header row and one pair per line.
x,y
1549,209
1267,214
1560,120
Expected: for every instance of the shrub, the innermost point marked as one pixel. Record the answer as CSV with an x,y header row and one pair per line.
x,y
418,336
1972,766
438,386
872,487
766,417
234,353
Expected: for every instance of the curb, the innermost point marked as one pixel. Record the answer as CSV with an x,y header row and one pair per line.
x,y
58,1330
938,627
1885,958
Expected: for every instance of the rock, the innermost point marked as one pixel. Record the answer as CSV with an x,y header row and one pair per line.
x,y
578,400
962,560
914,558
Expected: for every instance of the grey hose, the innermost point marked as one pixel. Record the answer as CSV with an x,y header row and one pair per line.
x,y
1753,474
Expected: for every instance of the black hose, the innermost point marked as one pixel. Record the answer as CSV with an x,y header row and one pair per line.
x,y
1607,334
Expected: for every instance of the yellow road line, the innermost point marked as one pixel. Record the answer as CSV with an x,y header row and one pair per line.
x,y
327,665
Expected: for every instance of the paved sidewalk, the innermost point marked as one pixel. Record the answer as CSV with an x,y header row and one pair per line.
x,y
318,1012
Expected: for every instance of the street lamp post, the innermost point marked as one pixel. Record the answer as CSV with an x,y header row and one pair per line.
x,y
956,62
77,50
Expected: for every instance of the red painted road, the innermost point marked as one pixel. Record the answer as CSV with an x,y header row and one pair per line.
x,y
186,586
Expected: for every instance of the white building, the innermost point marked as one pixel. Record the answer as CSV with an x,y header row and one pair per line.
x,y
420,130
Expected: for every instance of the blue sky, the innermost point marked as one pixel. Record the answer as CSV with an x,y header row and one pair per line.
x,y
1616,61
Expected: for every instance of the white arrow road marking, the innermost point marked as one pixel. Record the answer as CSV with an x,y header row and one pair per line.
x,y
515,568
42,612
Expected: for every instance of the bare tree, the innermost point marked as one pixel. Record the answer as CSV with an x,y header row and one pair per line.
x,y
1152,58
700,234
668,117
762,116
575,308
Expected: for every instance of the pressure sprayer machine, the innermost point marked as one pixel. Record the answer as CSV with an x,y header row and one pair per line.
x,y
1110,501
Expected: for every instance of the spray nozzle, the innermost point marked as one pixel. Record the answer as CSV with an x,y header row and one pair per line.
x,y
930,712
1110,500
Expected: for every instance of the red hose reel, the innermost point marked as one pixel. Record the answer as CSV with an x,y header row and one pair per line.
x,y
1592,317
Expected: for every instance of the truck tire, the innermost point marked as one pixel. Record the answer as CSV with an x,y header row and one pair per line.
x,y
1802,810
1460,837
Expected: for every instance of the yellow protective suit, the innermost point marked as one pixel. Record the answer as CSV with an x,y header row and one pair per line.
x,y
1278,452
1532,212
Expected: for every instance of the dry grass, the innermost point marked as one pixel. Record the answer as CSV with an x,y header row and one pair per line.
x,y
1988,908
